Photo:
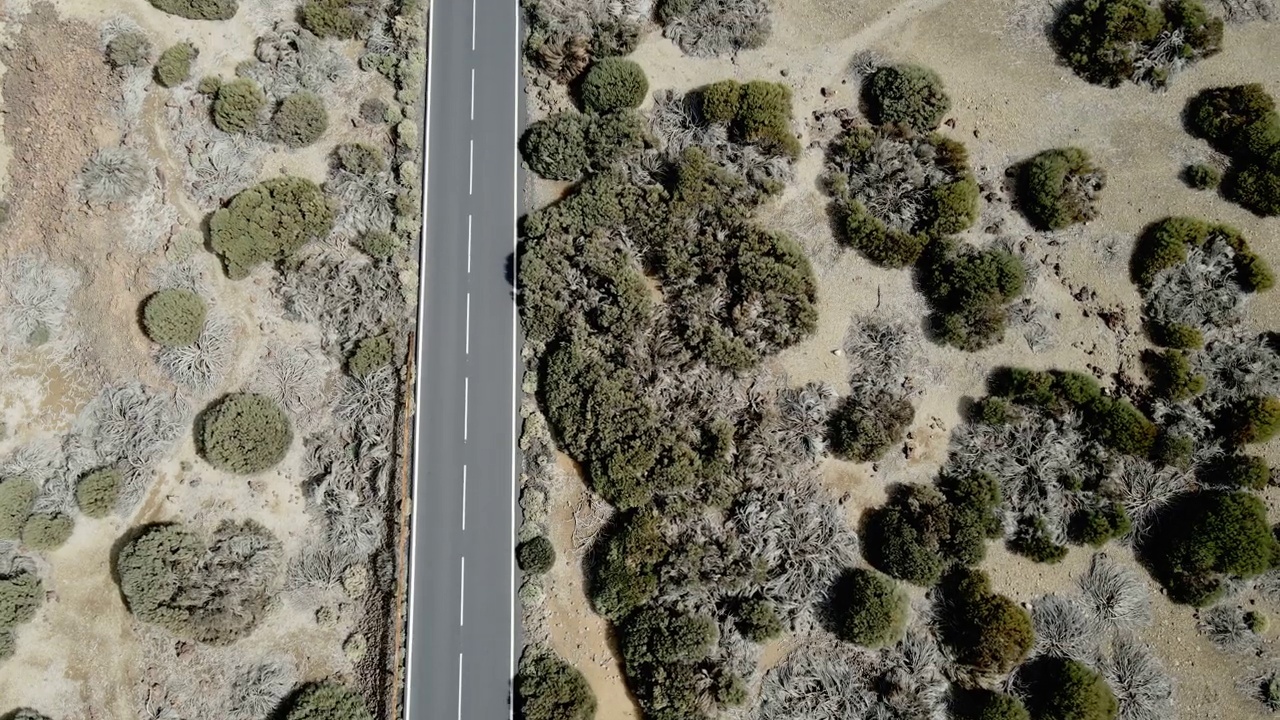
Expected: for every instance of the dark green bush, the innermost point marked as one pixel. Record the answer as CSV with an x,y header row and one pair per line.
x,y
300,120
1102,40
327,700
1176,335
908,95
1096,524
757,113
862,429
1241,120
360,158
97,492
343,19
47,530
209,85
661,650
21,594
131,48
868,608
1252,420
1208,535
371,354
1201,176
379,244
268,221
1171,375
1239,472
173,317
758,620
613,84
719,101
17,495
1173,450
614,136
992,411
983,629
1062,689
983,704
625,573
1164,244
969,291
1220,115
1058,188
238,105
198,9
535,555
556,146
174,66
548,688
1120,426
244,433
1032,541
1257,188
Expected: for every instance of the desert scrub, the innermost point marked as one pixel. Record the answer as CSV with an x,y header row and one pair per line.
x,y
556,146
1202,177
21,594
371,354
17,495
1171,375
237,106
613,84
535,555
1164,245
97,492
269,221
894,191
174,66
709,28
113,175
1061,689
1252,419
47,530
327,700
244,433
1108,42
868,608
198,9
1059,187
1031,539
1237,472
548,688
983,629
1241,121
1096,524
757,620
300,120
908,95
983,704
131,48
756,113
174,317
864,426
360,158
379,244
343,19
969,291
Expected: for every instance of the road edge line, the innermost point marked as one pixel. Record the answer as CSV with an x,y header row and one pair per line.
x,y
515,355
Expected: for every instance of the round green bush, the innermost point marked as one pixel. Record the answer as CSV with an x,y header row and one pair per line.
x,y
868,608
1201,176
327,701
174,317
1062,689
536,555
47,531
1257,188
238,104
983,704
374,110
614,84
1097,524
341,19
1031,540
1176,335
379,244
548,688
97,492
360,158
17,495
758,620
129,49
1103,40
1172,376
1240,472
269,221
174,66
372,354
719,101
983,629
21,593
244,433
198,9
300,120
908,95
209,85
1252,420
1058,188
614,136
556,146
862,429
1221,114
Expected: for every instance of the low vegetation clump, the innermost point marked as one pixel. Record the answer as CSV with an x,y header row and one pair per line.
x,y
566,145
614,84
710,28
360,158
970,291
868,609
244,433
97,492
662,649
174,317
562,41
863,429
907,95
1206,537
17,496
756,113
114,174
371,354
198,9
536,555
1062,689
1165,244
1238,472
1096,524
342,19
1172,376
300,120
1113,41
1202,177
922,530
21,594
269,221
1059,188
131,48
327,700
1252,419
1033,541
215,592
548,688
758,620
895,191
237,105
174,66
624,575
983,629
983,704
1241,121
47,530
379,244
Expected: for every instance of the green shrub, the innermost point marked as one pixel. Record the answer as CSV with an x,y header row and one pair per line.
x,y
174,66
47,531
969,291
343,19
327,700
1220,115
131,48
209,85
268,221
881,245
1102,40
1120,426
1257,189
1058,188
1032,541
612,84
173,317
614,136
1173,450
371,354
374,110
983,704
379,244
556,146
300,120
1096,524
548,688
17,495
536,555
868,608
1239,472
1176,335
1255,621
908,95
1062,689
719,101
238,105
661,649
992,411
624,575
758,620
1252,420
360,158
757,113
21,594
244,433
97,492
1252,272
198,9
983,629
1172,376
862,429
1201,176
1208,535
1164,244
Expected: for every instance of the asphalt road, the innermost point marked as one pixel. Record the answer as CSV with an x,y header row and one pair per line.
x,y
463,629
